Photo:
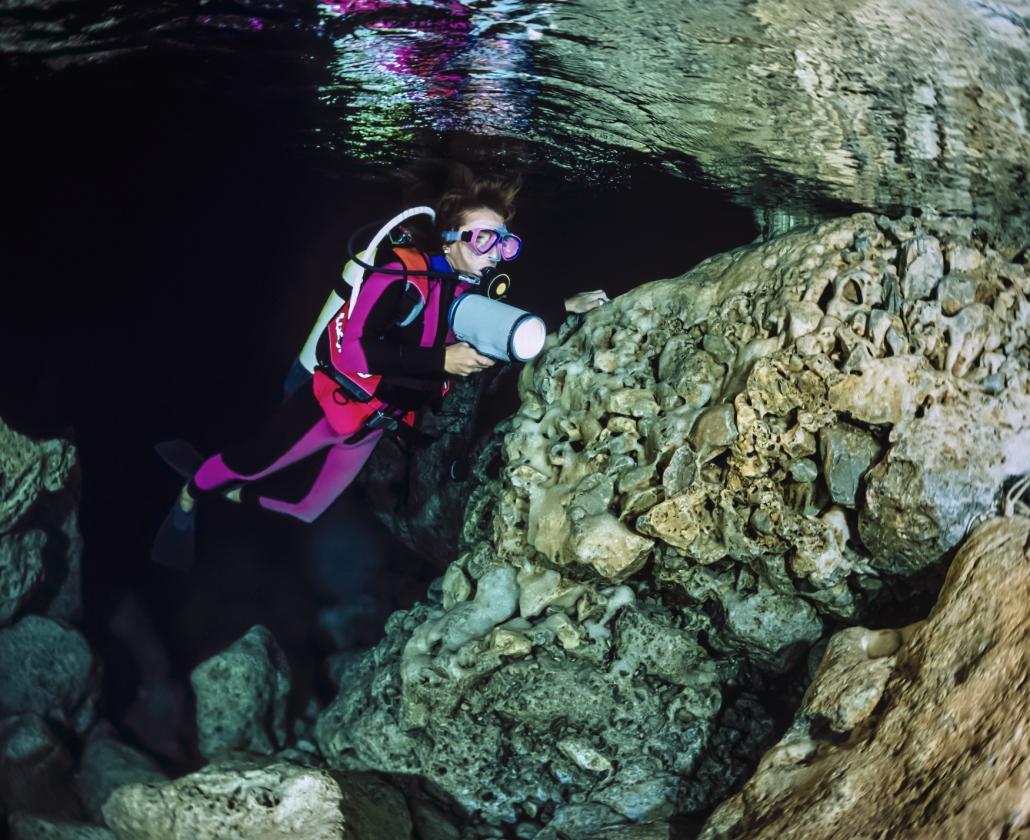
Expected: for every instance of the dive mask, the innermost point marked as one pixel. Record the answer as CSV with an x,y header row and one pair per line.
x,y
483,239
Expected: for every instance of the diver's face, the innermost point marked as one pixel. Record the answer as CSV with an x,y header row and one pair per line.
x,y
462,256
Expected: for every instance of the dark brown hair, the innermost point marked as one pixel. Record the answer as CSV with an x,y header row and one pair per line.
x,y
464,192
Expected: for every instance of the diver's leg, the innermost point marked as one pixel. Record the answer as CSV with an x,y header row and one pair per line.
x,y
342,464
297,429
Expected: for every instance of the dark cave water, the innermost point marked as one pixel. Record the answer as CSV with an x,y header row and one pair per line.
x,y
170,230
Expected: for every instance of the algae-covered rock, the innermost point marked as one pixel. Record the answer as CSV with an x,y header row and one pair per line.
x,y
241,696
48,670
40,543
33,827
35,769
107,764
21,569
28,471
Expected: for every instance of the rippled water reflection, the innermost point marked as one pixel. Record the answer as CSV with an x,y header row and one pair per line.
x,y
444,66
883,105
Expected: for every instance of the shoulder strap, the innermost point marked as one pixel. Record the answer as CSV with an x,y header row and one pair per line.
x,y
414,260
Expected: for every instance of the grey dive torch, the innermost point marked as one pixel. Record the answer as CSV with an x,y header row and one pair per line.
x,y
496,329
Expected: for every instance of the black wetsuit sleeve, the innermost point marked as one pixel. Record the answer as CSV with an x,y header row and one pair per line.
x,y
364,348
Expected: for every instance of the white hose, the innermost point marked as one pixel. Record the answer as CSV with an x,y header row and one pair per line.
x,y
369,254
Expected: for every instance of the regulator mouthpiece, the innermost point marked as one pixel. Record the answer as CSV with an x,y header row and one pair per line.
x,y
497,329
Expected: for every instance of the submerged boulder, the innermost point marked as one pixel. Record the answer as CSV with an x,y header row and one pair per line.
x,y
242,799
241,696
40,543
33,827
779,439
911,732
107,764
35,769
48,670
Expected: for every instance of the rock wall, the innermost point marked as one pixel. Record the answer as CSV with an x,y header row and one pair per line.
x,y
58,760
704,476
40,544
804,108
917,732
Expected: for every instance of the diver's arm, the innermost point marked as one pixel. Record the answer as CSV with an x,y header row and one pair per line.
x,y
363,348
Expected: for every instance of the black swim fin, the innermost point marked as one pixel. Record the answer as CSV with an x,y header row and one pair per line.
x,y
176,543
180,456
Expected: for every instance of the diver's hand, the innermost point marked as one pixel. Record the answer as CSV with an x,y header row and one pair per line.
x,y
585,301
462,358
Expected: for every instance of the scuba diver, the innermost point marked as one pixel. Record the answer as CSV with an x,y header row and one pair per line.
x,y
379,353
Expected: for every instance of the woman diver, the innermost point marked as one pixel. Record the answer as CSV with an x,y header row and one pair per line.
x,y
396,334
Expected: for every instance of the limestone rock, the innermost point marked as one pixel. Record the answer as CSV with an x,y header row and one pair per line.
x,y
372,808
28,471
107,764
241,696
49,670
851,677
35,769
231,801
21,569
818,432
934,716
847,454
912,103
40,543
33,827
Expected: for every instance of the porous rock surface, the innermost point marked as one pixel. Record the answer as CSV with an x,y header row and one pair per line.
x,y
35,768
107,764
919,732
702,475
40,544
241,696
33,827
879,104
48,670
244,799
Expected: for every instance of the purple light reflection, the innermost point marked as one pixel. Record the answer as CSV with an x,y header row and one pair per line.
x,y
446,65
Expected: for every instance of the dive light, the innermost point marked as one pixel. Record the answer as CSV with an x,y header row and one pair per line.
x,y
497,329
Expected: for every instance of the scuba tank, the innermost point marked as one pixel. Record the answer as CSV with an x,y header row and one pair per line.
x,y
353,275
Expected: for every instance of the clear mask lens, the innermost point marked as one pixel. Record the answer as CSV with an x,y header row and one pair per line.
x,y
510,246
484,239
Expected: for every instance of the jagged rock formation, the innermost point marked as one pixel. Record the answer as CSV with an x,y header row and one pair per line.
x,y
878,105
31,827
241,697
914,732
49,684
56,764
40,544
702,477
49,669
243,799
107,764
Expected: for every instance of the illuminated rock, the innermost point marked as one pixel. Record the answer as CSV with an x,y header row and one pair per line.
x,y
703,476
932,714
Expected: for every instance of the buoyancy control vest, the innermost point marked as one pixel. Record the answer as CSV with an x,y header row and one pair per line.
x,y
348,397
